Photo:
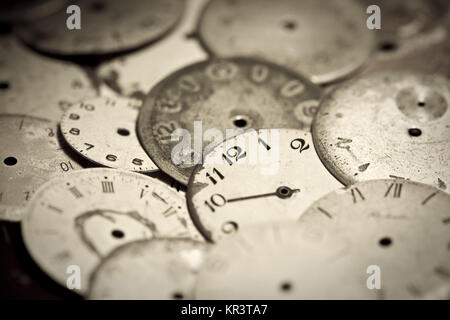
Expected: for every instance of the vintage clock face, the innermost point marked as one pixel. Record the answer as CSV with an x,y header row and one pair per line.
x,y
395,228
80,218
104,131
31,153
387,125
260,176
236,93
153,269
305,36
106,27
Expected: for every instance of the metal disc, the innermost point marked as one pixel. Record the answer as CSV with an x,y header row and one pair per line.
x,y
30,154
179,49
104,131
106,27
398,228
13,11
156,269
79,219
387,124
39,86
235,94
325,40
254,178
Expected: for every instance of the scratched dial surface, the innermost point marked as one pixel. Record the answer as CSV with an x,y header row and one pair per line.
x,y
106,27
256,177
156,269
104,131
325,40
30,154
35,85
388,124
237,93
400,227
79,219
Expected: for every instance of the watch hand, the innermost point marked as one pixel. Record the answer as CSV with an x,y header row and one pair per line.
x,y
282,192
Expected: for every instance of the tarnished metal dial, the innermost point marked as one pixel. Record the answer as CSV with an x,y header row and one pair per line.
x,y
106,27
237,93
325,40
79,219
156,269
13,11
35,85
387,124
30,154
397,230
254,178
180,48
104,131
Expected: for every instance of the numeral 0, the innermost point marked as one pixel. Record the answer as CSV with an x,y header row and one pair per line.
x,y
217,200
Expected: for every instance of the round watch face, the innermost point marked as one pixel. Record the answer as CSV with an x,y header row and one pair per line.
x,y
156,269
214,96
324,40
105,26
104,131
260,176
388,124
379,239
79,219
31,153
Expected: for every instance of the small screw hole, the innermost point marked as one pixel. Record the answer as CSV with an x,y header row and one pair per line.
x,y
178,296
388,46
118,234
286,286
4,85
10,161
385,242
414,132
123,132
240,123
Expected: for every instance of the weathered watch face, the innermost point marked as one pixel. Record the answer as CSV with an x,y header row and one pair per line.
x,y
104,131
156,269
254,178
325,40
134,74
79,219
212,96
30,154
106,27
388,124
382,239
35,85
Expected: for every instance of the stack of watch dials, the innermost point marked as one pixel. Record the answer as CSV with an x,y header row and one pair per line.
x,y
225,149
